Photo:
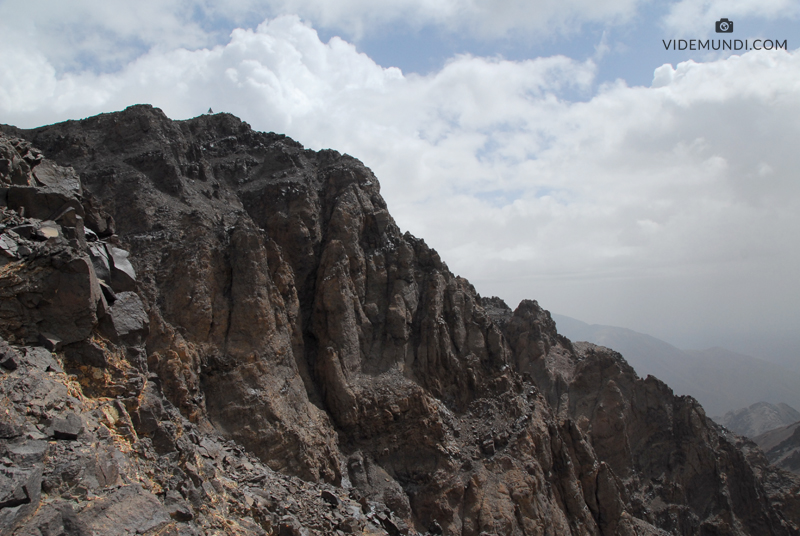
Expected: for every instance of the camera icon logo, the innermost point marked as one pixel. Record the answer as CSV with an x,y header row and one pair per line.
x,y
724,26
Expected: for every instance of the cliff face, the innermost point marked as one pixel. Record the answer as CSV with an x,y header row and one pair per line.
x,y
238,327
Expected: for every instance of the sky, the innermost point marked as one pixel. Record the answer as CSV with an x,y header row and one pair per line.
x,y
566,151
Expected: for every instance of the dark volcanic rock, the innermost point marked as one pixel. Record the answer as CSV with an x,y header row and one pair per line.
x,y
245,343
129,510
20,494
126,320
67,427
9,358
19,487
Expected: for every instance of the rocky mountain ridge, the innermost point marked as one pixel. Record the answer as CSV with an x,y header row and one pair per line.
x,y
215,330
759,418
782,446
720,379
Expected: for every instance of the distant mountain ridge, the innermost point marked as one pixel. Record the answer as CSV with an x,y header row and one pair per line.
x,y
782,446
759,418
721,380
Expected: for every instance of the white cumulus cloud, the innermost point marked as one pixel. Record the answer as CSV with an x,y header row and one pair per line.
x,y
92,34
489,18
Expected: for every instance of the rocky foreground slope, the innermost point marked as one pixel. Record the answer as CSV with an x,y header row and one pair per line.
x,y
212,330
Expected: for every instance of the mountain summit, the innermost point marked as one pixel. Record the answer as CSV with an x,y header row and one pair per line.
x,y
212,330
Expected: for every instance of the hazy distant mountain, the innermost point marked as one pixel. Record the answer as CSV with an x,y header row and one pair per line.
x,y
721,380
781,347
782,446
758,418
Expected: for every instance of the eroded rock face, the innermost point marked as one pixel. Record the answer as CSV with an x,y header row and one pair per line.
x,y
243,331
